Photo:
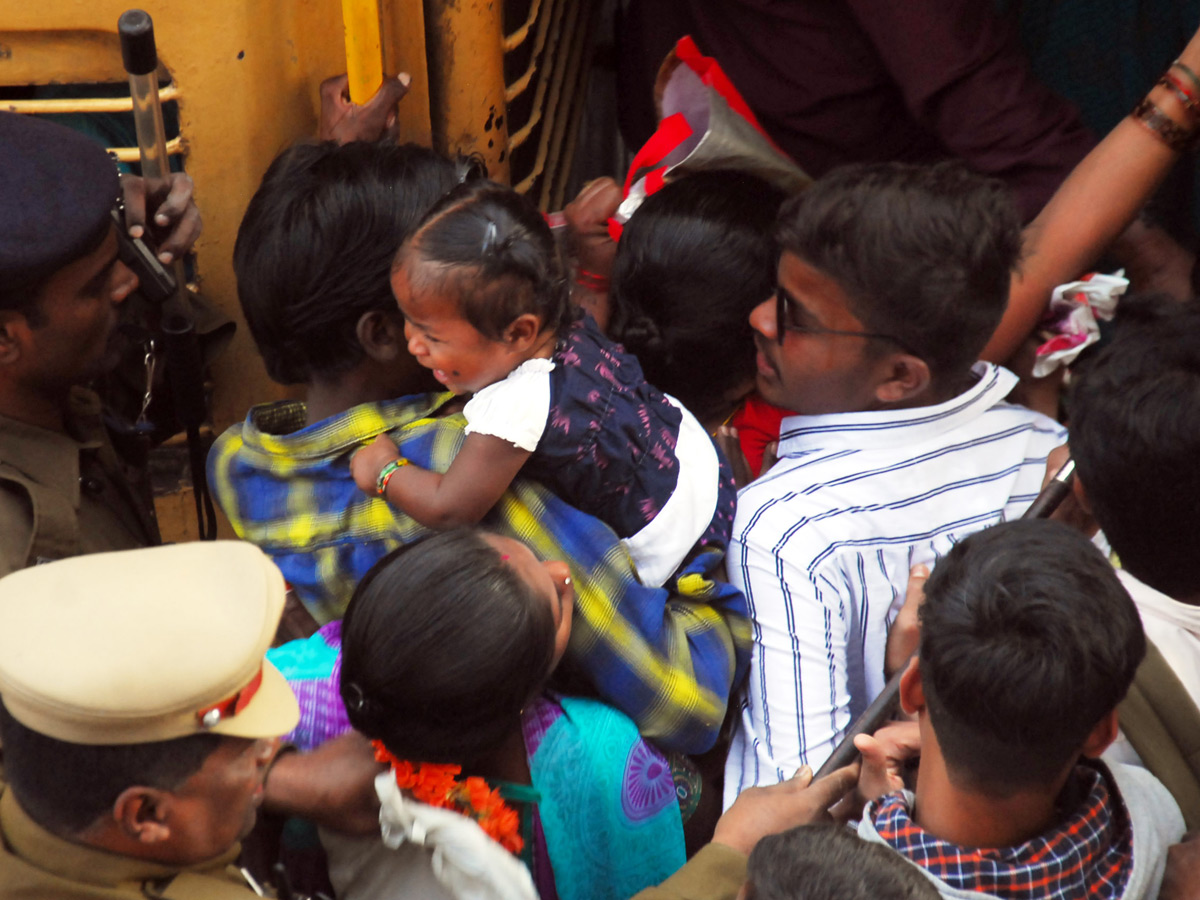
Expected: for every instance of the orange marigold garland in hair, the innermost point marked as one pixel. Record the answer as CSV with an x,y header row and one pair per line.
x,y
438,785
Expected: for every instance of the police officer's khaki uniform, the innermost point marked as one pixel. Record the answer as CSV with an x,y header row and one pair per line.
x,y
134,647
35,863
63,495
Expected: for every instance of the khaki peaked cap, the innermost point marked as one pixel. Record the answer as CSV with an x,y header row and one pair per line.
x,y
145,645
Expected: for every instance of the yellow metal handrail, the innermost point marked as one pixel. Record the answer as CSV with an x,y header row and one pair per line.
x,y
364,48
82,104
175,147
514,90
553,18
556,78
517,38
523,125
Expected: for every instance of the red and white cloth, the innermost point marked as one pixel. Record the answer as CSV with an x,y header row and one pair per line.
x,y
1070,325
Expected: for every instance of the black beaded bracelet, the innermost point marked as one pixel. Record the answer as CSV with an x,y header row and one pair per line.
x,y
1170,132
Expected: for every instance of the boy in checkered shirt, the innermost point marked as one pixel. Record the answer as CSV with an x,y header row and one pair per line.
x,y
1028,643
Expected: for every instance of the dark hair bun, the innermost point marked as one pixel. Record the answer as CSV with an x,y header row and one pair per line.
x,y
642,336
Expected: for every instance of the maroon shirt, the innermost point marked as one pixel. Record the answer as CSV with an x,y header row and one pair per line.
x,y
837,81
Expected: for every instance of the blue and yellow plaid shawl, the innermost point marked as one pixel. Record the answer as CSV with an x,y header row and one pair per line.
x,y
668,659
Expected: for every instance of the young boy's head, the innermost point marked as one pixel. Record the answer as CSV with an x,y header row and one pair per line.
x,y
892,278
828,862
1135,439
314,250
1028,643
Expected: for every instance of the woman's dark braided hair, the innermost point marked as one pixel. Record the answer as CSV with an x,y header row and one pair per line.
x,y
501,253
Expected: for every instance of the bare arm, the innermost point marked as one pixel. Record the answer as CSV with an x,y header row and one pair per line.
x,y
478,477
333,785
1092,207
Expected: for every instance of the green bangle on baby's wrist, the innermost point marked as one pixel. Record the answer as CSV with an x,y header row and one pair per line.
x,y
386,473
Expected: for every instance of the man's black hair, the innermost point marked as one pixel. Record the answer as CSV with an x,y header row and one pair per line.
x,y
691,265
1027,641
1135,438
494,250
314,250
443,644
65,787
923,253
828,862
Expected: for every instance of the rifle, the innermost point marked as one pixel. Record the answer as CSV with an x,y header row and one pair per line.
x,y
165,287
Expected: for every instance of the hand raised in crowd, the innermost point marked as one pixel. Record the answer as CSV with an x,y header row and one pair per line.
x,y
1072,511
594,250
333,786
728,439
176,216
905,633
884,755
344,121
759,811
587,223
770,457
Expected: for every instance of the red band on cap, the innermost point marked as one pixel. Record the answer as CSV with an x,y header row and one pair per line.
x,y
234,704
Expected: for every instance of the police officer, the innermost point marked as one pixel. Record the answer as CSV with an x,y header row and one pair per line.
x,y
138,720
63,489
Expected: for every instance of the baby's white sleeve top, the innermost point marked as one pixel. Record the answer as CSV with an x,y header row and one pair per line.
x,y
515,408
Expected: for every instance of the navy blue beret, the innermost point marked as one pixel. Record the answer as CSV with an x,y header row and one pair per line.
x,y
57,188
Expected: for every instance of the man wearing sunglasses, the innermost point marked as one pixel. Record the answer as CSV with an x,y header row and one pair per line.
x,y
891,280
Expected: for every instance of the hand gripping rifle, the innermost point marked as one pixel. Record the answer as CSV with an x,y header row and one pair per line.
x,y
162,286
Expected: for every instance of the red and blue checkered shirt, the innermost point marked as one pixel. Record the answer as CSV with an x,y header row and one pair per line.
x,y
1087,856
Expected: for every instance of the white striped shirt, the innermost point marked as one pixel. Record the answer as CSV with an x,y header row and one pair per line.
x,y
823,543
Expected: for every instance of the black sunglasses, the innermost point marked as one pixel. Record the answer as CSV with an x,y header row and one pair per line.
x,y
786,320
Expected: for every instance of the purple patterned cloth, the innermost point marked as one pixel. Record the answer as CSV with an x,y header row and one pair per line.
x,y
610,438
313,667
649,783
